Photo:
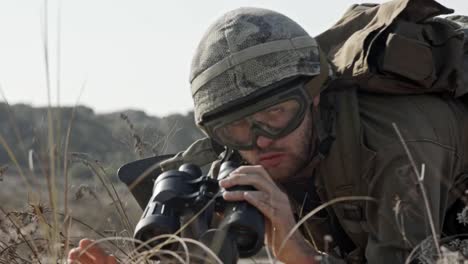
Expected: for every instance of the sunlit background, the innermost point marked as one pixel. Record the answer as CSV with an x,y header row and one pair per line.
x,y
125,53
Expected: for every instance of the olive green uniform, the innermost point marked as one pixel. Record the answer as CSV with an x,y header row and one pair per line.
x,y
368,159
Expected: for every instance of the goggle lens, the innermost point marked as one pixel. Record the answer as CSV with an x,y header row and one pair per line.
x,y
273,122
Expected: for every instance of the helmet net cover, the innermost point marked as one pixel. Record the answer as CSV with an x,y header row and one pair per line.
x,y
234,32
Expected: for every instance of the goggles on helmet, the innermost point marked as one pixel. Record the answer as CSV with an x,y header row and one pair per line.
x,y
274,117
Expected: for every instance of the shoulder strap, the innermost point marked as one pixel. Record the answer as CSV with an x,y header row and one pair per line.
x,y
339,174
200,153
140,175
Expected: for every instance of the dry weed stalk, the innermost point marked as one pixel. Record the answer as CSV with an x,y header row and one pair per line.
x,y
139,145
3,169
316,210
98,171
142,147
420,180
42,234
400,220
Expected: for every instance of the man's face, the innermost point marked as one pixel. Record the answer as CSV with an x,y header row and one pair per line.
x,y
283,157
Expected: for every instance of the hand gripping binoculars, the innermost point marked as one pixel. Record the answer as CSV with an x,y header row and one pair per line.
x,y
180,194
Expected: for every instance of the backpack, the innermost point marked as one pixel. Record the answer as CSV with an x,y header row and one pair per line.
x,y
398,47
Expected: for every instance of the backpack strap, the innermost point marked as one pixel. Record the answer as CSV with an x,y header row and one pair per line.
x,y
200,153
340,172
140,175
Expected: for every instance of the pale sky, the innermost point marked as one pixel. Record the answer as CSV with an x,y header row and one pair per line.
x,y
129,53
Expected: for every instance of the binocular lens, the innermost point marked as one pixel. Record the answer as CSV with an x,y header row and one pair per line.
x,y
246,239
155,225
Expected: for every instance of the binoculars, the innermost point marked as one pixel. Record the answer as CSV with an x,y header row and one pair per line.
x,y
178,194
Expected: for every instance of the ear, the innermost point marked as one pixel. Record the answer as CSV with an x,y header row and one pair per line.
x,y
316,100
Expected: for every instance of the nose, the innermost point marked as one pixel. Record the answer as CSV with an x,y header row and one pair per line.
x,y
263,142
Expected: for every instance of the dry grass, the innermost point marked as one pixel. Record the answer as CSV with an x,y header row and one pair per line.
x,y
47,216
48,211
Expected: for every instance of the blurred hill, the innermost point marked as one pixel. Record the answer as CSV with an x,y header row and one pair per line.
x,y
113,139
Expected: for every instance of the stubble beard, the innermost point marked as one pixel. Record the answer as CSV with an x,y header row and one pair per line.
x,y
296,159
297,150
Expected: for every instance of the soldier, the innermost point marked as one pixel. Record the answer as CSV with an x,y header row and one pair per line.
x,y
263,89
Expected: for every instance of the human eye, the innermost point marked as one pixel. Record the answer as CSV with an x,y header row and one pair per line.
x,y
279,108
238,123
276,109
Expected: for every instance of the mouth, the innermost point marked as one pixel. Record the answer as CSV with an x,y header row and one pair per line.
x,y
271,159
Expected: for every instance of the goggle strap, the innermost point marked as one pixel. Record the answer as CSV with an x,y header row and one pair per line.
x,y
319,129
314,86
324,138
200,153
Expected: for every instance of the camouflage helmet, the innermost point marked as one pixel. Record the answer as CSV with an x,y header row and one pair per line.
x,y
243,53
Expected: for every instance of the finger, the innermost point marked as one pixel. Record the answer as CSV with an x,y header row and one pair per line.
x,y
234,196
85,242
73,254
252,179
258,199
236,179
91,250
77,256
263,202
254,169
